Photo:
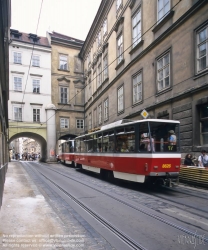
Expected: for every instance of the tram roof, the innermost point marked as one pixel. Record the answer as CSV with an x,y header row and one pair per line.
x,y
126,122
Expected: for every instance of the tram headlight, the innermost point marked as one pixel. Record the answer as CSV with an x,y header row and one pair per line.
x,y
155,167
176,166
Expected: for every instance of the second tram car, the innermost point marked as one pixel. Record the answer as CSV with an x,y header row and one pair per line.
x,y
139,151
66,155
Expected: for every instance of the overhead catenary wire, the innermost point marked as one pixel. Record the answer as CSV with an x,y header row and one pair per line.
x,y
30,59
111,64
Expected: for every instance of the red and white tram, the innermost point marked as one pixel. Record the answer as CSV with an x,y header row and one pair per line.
x,y
138,151
66,154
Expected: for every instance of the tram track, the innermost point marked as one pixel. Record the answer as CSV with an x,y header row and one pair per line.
x,y
137,208
121,235
153,193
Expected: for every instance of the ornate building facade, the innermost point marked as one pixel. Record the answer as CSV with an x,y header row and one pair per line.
x,y
67,85
149,55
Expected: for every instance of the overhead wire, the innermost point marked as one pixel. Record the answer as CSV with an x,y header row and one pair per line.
x,y
61,108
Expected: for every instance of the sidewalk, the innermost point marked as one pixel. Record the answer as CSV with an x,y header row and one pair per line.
x,y
26,219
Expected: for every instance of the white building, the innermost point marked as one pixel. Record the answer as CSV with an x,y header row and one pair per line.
x,y
29,86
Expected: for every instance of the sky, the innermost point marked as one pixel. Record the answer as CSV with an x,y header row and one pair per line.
x,y
68,17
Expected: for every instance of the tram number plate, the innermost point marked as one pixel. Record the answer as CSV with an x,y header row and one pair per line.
x,y
166,166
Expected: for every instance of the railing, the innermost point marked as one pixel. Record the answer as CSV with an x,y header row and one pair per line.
x,y
194,175
3,170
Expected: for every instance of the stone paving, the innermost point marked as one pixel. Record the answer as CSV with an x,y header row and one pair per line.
x,y
34,217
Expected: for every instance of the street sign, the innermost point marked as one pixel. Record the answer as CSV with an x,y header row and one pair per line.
x,y
144,114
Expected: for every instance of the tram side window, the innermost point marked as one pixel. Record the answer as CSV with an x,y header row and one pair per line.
x,y
108,141
163,133
146,141
97,142
89,143
121,140
130,143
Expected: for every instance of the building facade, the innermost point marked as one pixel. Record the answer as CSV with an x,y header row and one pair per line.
x,y
5,23
67,86
30,88
149,55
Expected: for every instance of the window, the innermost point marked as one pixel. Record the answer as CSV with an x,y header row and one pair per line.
x,y
120,99
90,88
64,123
105,27
36,115
88,59
17,114
99,114
80,123
105,67
118,4
17,83
17,57
136,26
90,121
137,88
202,49
63,94
95,118
63,62
99,38
120,48
163,9
36,61
36,86
106,110
204,124
99,75
163,72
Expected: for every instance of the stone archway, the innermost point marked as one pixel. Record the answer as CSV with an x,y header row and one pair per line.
x,y
41,141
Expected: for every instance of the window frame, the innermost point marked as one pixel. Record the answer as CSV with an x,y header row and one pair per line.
x,y
67,94
202,120
19,114
90,121
120,48
136,84
100,114
163,69
36,115
62,64
106,109
164,14
199,44
136,40
36,87
99,75
18,57
34,64
118,4
16,87
105,27
105,67
66,122
120,99
81,121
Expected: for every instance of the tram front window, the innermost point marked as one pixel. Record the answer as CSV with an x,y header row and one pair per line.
x,y
165,136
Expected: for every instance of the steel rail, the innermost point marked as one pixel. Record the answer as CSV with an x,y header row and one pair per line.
x,y
140,209
130,242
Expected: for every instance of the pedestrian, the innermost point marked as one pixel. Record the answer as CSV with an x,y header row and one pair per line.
x,y
188,161
203,159
172,138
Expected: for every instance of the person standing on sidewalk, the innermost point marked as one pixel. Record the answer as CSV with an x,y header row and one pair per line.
x,y
203,159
